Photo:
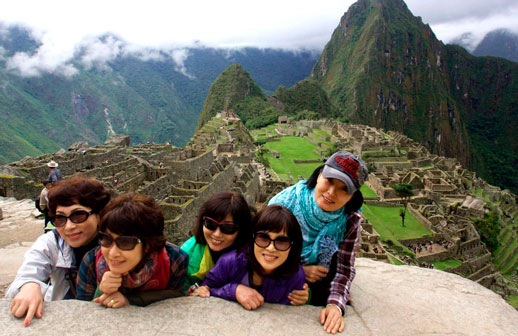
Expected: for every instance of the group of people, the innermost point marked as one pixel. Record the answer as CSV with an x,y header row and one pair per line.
x,y
299,249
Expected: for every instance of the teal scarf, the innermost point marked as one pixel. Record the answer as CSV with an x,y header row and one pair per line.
x,y
322,231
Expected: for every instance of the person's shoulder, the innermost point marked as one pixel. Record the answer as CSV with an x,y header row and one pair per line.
x,y
175,252
232,257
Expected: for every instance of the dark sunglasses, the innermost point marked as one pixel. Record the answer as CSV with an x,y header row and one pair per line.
x,y
76,217
282,243
225,227
125,243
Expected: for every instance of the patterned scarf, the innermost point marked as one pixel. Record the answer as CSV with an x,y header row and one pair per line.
x,y
153,275
322,231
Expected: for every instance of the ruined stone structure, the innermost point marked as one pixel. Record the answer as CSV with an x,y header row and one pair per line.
x,y
221,156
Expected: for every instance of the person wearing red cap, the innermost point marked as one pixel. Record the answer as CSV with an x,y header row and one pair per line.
x,y
327,209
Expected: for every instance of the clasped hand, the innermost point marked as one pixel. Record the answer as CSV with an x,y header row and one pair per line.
x,y
111,297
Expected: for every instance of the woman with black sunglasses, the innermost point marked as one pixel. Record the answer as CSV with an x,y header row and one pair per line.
x,y
222,225
267,270
327,209
49,268
133,256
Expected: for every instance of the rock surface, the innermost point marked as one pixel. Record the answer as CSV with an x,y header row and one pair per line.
x,y
386,300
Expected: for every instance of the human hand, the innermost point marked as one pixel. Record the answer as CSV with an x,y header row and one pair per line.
x,y
248,297
202,291
299,297
315,272
110,283
113,300
28,302
331,318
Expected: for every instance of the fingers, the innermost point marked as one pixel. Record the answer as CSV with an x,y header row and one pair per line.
x,y
30,315
321,271
332,320
254,302
203,291
39,310
299,297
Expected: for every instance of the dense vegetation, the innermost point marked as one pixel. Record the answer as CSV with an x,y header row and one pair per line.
x,y
385,68
151,100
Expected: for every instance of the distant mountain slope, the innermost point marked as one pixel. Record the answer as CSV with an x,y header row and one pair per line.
x,y
155,99
499,43
385,68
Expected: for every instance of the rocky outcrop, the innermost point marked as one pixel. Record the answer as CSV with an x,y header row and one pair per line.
x,y
386,300
118,140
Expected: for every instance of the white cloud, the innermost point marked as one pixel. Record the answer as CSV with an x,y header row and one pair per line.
x,y
155,29
179,56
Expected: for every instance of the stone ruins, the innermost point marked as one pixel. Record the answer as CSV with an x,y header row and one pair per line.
x,y
222,156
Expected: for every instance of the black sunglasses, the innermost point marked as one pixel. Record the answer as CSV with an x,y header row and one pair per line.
x,y
76,217
225,227
282,243
125,243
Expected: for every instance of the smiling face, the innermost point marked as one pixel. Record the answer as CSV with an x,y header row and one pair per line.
x,y
217,240
120,261
77,234
331,194
269,257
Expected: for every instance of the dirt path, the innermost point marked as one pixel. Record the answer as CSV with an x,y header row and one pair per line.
x,y
18,229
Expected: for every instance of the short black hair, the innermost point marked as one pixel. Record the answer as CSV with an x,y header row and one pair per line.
x,y
354,203
218,207
276,218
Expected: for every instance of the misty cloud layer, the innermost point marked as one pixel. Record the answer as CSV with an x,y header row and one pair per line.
x,y
90,35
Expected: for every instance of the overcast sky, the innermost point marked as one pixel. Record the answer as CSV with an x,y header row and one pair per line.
x,y
63,25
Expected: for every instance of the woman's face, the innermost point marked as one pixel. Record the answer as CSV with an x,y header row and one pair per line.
x,y
121,261
269,257
217,240
78,234
331,194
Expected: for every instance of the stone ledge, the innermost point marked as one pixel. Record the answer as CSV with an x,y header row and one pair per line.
x,y
386,300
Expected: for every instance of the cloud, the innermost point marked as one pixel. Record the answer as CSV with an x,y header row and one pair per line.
x,y
155,29
451,19
179,56
96,52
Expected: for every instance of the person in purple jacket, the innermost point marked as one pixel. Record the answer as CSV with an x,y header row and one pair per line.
x,y
267,269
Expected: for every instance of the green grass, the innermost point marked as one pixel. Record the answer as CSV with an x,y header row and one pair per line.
x,y
387,223
396,261
292,148
513,300
367,192
507,250
510,265
448,263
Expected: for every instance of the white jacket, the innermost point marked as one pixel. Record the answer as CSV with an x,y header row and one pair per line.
x,y
49,258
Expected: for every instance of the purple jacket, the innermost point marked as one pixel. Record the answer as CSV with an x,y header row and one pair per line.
x,y
231,270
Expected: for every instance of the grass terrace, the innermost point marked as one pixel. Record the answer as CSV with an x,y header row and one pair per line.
x,y
448,263
367,192
292,148
387,223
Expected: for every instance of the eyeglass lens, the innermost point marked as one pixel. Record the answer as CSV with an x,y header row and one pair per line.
x,y
125,243
262,239
76,217
226,228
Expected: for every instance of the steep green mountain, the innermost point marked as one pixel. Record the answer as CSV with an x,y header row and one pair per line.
x,y
235,90
385,68
152,99
306,95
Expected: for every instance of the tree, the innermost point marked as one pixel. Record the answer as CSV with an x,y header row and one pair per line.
x,y
405,191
